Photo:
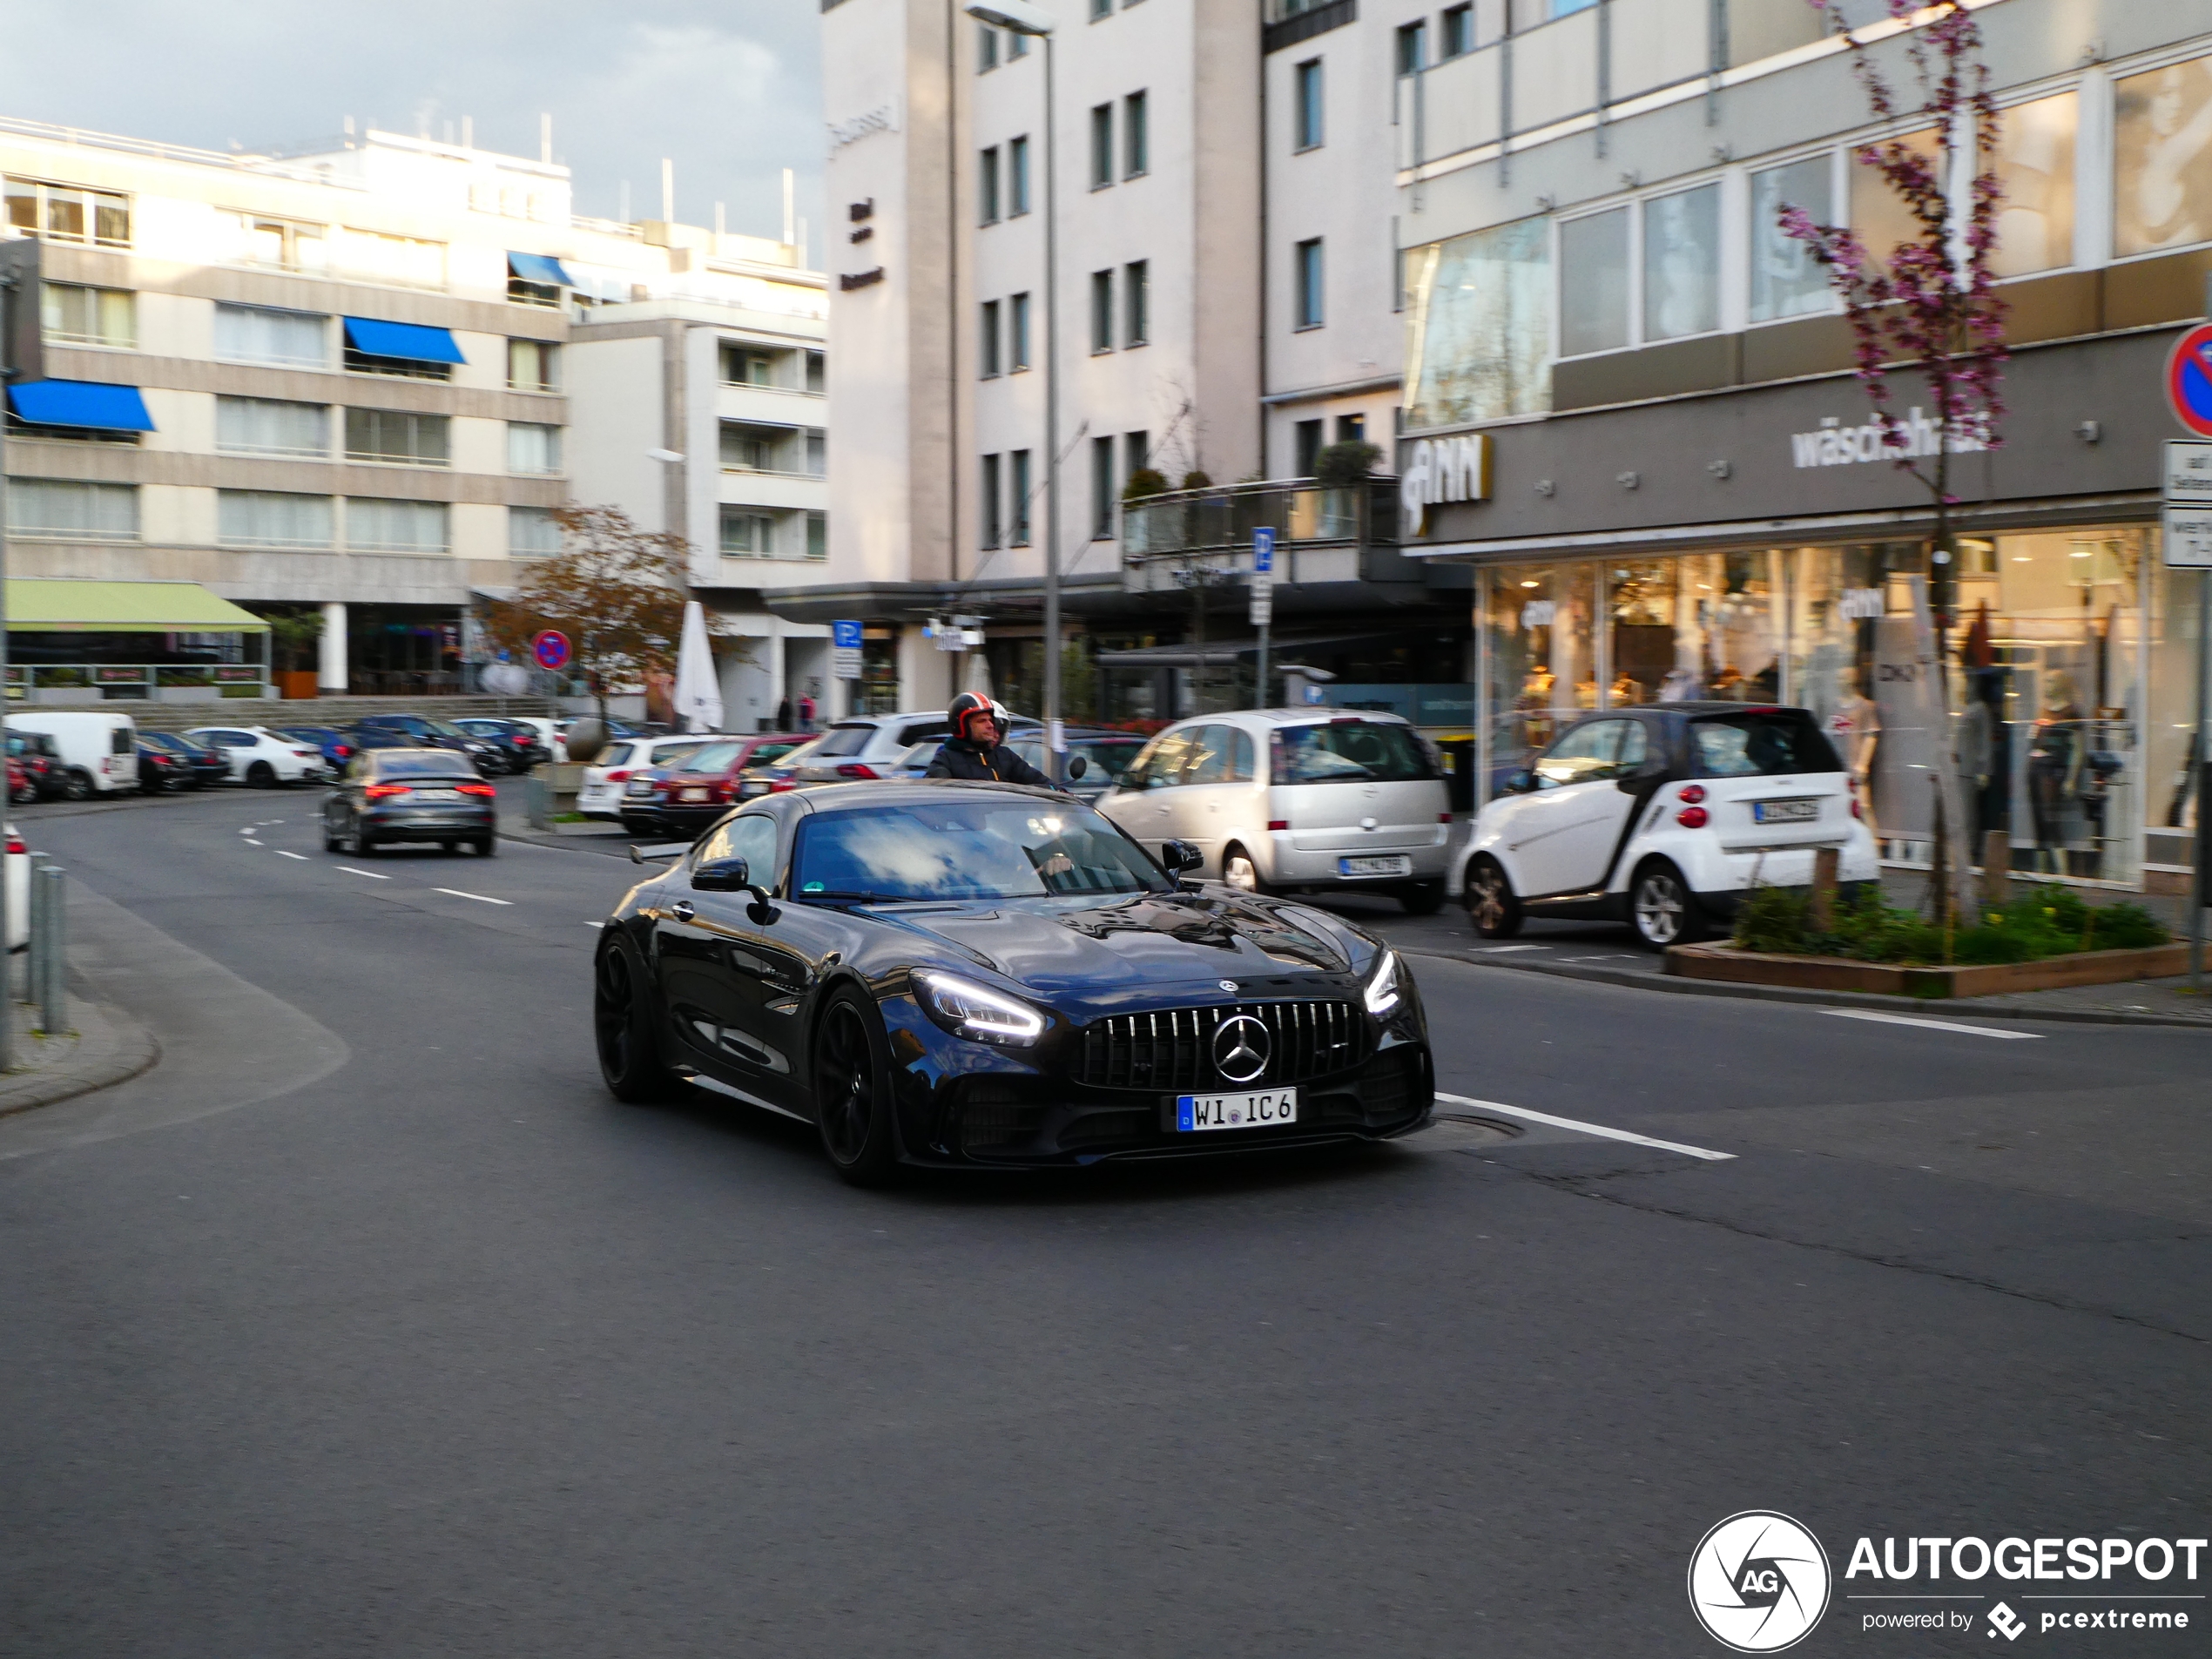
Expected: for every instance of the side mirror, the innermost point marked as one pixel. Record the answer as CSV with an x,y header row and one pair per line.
x,y
1178,856
1076,768
722,875
1521,783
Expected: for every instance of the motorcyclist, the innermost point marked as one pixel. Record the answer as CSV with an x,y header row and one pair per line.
x,y
977,747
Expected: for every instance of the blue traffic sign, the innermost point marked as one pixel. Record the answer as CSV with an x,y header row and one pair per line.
x,y
846,636
1263,549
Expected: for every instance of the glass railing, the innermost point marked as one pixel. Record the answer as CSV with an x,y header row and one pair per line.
x,y
1222,520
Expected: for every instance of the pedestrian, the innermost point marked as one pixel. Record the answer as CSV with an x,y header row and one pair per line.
x,y
805,710
977,748
783,713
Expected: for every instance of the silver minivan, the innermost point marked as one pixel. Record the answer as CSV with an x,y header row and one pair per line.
x,y
1297,801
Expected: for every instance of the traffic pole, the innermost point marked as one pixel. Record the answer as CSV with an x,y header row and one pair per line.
x,y
2200,876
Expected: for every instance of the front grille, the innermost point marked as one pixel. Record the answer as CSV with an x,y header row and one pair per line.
x,y
1172,1049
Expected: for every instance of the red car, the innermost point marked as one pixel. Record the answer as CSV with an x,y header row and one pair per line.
x,y
702,785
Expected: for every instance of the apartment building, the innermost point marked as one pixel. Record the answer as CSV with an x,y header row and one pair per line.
x,y
338,380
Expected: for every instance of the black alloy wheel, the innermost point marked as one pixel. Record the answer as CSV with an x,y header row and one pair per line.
x,y
330,842
625,1029
1491,903
77,785
1661,909
261,775
23,793
357,842
853,1091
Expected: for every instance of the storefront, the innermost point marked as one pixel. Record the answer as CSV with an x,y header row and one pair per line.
x,y
2070,662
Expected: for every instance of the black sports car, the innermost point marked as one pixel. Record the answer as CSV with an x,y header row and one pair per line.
x,y
962,974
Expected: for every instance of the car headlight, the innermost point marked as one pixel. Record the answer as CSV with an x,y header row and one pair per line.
x,y
968,1010
1381,994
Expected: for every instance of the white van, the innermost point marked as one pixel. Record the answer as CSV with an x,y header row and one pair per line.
x,y
99,752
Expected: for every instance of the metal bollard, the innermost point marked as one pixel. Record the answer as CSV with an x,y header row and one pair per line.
x,y
33,936
537,796
54,988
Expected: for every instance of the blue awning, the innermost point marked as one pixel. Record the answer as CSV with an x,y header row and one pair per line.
x,y
81,403
411,340
539,267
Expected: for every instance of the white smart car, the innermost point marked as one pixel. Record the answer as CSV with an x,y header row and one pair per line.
x,y
1662,818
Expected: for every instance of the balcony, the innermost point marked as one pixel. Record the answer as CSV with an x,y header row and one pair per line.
x,y
1321,535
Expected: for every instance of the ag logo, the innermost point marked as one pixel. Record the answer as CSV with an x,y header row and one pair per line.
x,y
1758,1582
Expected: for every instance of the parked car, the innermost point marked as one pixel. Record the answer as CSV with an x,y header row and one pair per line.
x,y
21,790
337,746
199,764
760,778
691,793
865,745
980,974
517,742
1106,756
550,737
41,761
260,757
98,752
1664,817
599,793
431,733
162,771
392,795
1289,800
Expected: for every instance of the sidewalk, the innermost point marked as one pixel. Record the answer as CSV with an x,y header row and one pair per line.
x,y
103,1046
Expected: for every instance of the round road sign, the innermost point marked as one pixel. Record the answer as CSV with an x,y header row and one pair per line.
x,y
551,651
2188,380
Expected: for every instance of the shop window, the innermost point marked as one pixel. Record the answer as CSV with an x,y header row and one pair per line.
x,y
2161,162
1594,283
1786,280
1681,264
1880,216
1541,656
2036,165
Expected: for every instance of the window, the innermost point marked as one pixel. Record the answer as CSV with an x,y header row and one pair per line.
x,y
1101,489
1136,302
1881,216
374,526
282,244
1017,178
1412,48
1459,30
1018,496
817,453
1307,128
747,534
986,186
2036,164
1137,136
402,260
266,426
533,366
397,435
987,48
1220,754
755,448
2161,167
818,536
357,361
532,533
993,526
1017,332
1309,295
1308,434
532,448
1594,283
66,213
1017,44
81,512
1136,452
987,341
1785,279
1479,346
272,518
817,373
741,367
1102,146
1351,428
1563,7
1101,9
1101,311
1681,264
81,316
256,334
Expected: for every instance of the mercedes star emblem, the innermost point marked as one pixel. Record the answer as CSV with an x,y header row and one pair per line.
x,y
1230,986
1240,1049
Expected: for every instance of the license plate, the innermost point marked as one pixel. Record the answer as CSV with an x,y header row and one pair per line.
x,y
1196,1113
1375,866
695,794
437,794
1784,812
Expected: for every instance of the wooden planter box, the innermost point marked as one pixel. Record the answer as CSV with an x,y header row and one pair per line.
x,y
297,684
1838,974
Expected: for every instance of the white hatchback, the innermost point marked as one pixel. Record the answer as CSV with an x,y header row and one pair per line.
x,y
600,792
1297,801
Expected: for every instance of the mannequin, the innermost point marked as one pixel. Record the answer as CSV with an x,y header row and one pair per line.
x,y
2055,772
1854,729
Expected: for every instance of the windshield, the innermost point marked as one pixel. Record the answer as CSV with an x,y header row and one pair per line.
x,y
1349,751
1763,745
714,757
443,728
1003,848
842,740
424,764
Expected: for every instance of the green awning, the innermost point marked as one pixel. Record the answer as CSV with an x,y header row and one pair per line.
x,y
42,604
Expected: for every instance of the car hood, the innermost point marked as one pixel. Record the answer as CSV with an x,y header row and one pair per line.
x,y
1139,947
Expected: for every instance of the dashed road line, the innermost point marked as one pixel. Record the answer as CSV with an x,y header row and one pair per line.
x,y
478,897
1501,950
373,875
302,857
1932,1025
1576,1124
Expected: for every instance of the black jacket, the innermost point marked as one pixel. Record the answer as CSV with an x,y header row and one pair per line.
x,y
960,757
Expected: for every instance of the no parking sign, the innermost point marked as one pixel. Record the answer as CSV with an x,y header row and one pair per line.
x,y
2188,380
551,651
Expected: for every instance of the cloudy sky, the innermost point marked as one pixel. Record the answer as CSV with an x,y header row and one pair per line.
x,y
729,89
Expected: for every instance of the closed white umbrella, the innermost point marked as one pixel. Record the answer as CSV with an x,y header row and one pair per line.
x,y
698,695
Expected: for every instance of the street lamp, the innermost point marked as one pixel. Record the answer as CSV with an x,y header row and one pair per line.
x,y
1026,19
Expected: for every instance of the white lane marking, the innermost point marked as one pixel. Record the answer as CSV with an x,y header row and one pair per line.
x,y
1587,1129
595,926
372,875
478,897
245,829
1932,1025
259,844
1500,950
302,857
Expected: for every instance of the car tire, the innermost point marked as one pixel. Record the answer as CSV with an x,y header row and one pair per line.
x,y
261,775
1241,871
357,844
488,847
1492,904
23,795
625,1029
331,843
77,785
1662,908
851,1074
1422,898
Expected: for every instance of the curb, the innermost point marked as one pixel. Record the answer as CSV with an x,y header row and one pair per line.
x,y
566,843
1792,994
112,1047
